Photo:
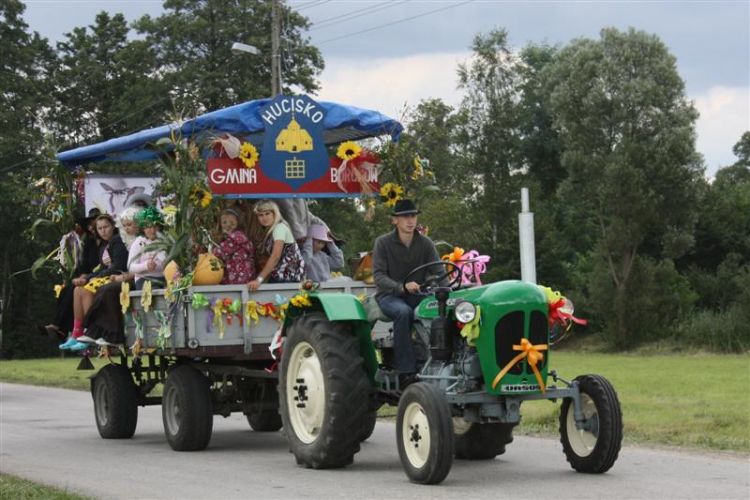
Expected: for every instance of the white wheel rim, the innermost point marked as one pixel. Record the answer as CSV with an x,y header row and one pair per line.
x,y
305,393
582,441
172,407
415,431
461,426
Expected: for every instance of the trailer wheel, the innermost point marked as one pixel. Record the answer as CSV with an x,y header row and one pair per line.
x,y
424,433
115,402
186,409
323,392
268,419
593,448
475,441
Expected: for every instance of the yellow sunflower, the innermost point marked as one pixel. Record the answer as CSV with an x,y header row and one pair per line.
x,y
392,192
248,155
201,197
348,150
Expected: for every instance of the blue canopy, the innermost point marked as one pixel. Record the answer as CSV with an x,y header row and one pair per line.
x,y
341,123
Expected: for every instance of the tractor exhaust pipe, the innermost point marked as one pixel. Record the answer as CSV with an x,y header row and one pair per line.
x,y
526,239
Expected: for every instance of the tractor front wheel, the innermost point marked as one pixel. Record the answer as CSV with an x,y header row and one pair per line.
x,y
593,446
424,432
475,441
323,390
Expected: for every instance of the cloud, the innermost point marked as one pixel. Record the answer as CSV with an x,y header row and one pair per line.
x,y
724,117
387,84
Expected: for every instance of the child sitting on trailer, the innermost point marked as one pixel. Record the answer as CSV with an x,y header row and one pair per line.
x,y
285,263
235,250
321,254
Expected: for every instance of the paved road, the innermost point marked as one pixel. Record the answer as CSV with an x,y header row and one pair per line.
x,y
49,436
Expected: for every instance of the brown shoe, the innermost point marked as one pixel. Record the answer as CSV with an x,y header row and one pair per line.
x,y
52,331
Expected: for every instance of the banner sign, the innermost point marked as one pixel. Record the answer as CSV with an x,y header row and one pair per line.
x,y
293,161
111,193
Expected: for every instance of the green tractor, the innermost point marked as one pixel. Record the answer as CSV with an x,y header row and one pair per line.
x,y
484,352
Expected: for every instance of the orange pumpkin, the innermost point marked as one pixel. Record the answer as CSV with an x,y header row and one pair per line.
x,y
170,271
209,270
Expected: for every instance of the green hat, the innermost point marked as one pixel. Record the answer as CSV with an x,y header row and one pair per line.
x,y
148,217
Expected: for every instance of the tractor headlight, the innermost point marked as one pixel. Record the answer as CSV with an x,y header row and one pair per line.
x,y
466,312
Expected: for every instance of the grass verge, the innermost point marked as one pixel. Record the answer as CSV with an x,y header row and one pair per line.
x,y
17,488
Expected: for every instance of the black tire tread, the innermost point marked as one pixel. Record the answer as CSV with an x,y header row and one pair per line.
x,y
348,388
123,402
196,407
607,448
440,419
483,441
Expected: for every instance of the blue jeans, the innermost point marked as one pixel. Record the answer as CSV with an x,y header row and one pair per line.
x,y
401,311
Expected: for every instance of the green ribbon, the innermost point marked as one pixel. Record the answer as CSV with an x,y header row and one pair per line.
x,y
164,331
470,331
138,324
199,301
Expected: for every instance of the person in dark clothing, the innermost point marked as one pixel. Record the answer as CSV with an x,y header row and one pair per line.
x,y
394,256
86,261
113,259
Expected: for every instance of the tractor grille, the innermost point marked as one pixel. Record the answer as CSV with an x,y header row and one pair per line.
x,y
508,331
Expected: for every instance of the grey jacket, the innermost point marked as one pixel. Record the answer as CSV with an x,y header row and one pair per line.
x,y
318,266
392,261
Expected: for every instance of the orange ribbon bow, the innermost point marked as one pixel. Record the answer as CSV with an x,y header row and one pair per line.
x,y
529,351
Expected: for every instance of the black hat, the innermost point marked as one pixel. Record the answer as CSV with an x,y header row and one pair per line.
x,y
405,207
85,221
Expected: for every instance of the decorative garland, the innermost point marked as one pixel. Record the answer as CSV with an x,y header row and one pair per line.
x,y
472,264
146,297
248,155
125,296
470,330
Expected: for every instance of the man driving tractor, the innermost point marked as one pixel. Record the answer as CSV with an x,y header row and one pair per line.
x,y
396,253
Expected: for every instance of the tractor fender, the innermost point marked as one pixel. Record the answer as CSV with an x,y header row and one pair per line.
x,y
347,308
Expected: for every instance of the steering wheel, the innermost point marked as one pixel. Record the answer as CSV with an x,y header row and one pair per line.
x,y
434,281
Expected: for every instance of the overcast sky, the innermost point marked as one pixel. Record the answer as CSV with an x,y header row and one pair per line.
x,y
384,54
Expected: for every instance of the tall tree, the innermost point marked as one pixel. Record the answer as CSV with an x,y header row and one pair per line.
x,y
193,40
628,130
24,66
490,142
106,84
24,99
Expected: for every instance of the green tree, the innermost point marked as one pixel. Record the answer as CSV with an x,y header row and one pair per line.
x,y
24,66
106,84
628,133
193,40
490,142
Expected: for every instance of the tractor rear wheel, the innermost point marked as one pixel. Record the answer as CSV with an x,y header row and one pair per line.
x,y
594,447
323,390
475,441
424,433
266,419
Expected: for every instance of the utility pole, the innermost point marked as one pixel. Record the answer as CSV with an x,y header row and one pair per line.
x,y
275,55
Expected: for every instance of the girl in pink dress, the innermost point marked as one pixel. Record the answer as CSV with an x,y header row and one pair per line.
x,y
235,250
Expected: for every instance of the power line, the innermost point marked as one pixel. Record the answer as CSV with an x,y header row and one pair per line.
x,y
394,22
308,5
347,16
